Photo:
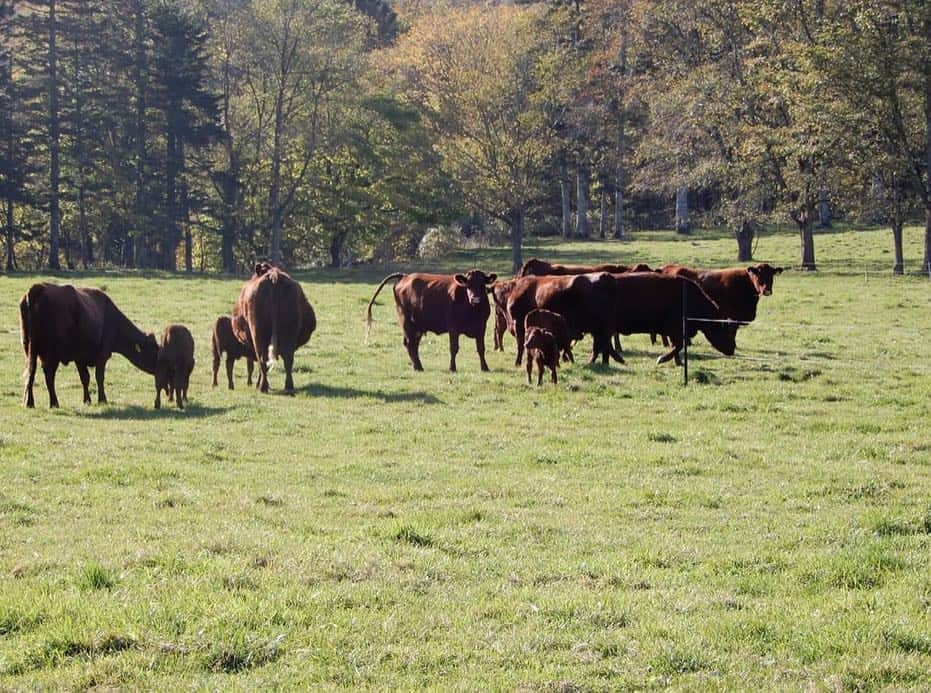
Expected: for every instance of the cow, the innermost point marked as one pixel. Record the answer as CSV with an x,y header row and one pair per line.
x,y
223,340
440,303
543,350
736,290
651,303
542,268
174,365
274,316
556,325
61,324
499,299
585,301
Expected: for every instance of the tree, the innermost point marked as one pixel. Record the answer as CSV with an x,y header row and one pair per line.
x,y
476,75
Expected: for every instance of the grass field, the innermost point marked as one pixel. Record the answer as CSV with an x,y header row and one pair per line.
x,y
767,527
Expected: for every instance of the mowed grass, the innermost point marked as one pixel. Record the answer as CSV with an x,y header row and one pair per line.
x,y
767,527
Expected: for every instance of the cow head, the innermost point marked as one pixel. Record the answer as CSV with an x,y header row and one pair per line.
x,y
476,285
144,353
261,268
762,276
533,266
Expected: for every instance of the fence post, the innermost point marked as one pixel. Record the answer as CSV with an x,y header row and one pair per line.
x,y
685,339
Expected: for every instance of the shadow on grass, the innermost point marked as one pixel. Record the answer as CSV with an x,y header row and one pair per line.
x,y
321,390
135,412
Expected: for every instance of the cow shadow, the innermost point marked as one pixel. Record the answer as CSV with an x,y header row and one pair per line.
x,y
341,392
135,412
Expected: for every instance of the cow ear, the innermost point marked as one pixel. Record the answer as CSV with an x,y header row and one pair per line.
x,y
490,279
257,269
754,270
460,279
778,270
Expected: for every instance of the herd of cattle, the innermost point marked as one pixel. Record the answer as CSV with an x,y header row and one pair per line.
x,y
546,307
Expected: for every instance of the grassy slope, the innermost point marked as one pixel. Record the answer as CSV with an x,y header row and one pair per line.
x,y
768,528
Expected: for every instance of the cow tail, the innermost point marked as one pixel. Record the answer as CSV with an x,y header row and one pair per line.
x,y
25,325
215,344
368,316
273,342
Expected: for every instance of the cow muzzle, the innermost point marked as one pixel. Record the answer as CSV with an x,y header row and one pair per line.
x,y
475,300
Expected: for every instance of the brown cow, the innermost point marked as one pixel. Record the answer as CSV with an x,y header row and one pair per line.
x,y
223,340
736,290
440,303
542,268
175,364
274,316
543,350
585,301
556,325
648,302
499,300
61,324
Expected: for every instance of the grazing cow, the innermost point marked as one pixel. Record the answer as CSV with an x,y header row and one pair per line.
x,y
542,268
543,350
174,366
61,324
651,303
224,340
274,316
585,301
499,299
556,325
440,303
736,290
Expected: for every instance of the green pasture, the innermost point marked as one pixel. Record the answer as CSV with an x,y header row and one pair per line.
x,y
768,527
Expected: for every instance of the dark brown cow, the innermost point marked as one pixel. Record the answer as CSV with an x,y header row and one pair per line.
x,y
440,303
61,324
556,325
274,316
651,303
543,350
736,290
542,268
585,301
223,340
174,366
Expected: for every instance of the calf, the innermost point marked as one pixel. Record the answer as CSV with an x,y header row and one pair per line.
x,y
555,324
499,300
542,349
225,341
174,365
440,303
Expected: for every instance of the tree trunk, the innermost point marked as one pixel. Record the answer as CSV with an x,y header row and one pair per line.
x,y
517,236
172,234
566,196
682,210
824,210
807,236
336,248
10,237
582,229
54,145
619,212
926,261
138,252
87,246
899,266
745,235
274,191
602,219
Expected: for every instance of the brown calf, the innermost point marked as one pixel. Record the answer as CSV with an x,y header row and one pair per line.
x,y
175,364
543,350
554,323
224,340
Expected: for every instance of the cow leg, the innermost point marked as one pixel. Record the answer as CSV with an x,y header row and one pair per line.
x,y
250,364
216,366
519,335
85,376
178,388
262,381
480,348
100,370
28,398
412,343
229,372
672,353
288,359
453,350
49,368
540,369
553,369
529,371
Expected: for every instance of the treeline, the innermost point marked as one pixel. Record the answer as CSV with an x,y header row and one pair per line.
x,y
206,133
